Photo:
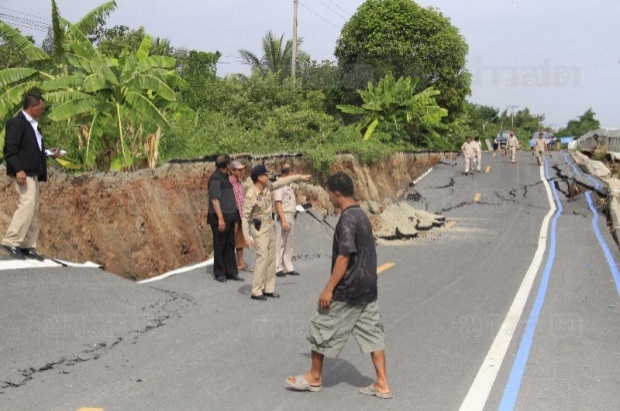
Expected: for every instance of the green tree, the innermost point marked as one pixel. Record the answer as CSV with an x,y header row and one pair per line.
x,y
280,109
586,122
324,76
400,37
277,56
11,56
199,69
398,112
121,40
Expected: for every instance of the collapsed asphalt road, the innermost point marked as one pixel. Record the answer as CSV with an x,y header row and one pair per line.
x,y
77,338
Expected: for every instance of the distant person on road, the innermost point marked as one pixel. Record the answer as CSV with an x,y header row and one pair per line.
x,y
469,152
222,216
348,303
25,153
478,157
539,148
512,145
257,223
286,207
236,177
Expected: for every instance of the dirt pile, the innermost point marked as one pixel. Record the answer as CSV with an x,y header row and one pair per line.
x,y
145,223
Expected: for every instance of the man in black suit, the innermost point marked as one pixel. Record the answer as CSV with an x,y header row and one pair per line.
x,y
24,153
222,216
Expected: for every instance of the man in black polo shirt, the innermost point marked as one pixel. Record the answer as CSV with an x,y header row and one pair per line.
x,y
222,216
348,303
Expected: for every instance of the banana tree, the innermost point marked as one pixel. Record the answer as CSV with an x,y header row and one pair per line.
x,y
110,98
15,82
396,109
114,98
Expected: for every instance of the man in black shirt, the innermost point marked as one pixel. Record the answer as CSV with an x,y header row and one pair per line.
x,y
222,216
348,303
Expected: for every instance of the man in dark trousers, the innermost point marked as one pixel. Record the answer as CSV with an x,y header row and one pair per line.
x,y
24,153
348,303
222,216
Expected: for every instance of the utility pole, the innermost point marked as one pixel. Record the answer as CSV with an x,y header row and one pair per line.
x,y
485,124
294,48
512,116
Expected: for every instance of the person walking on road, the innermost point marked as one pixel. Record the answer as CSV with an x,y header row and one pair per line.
x,y
469,152
512,145
348,303
257,223
286,208
478,156
222,216
25,156
539,148
235,177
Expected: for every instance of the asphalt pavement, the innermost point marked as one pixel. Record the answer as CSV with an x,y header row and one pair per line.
x,y
80,337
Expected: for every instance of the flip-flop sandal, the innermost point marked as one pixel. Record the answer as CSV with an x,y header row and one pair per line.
x,y
371,390
301,384
245,268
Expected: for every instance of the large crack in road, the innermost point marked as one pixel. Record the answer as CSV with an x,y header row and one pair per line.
x,y
172,304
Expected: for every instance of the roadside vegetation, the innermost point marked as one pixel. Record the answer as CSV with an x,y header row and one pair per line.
x,y
119,99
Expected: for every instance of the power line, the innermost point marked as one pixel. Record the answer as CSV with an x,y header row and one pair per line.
x,y
317,14
23,23
337,5
26,14
332,10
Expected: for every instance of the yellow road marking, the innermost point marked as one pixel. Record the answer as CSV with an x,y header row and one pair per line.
x,y
90,409
488,169
477,197
384,267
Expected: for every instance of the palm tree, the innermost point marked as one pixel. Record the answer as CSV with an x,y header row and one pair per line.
x,y
277,55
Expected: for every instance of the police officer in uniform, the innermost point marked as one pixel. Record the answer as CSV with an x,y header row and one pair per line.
x,y
257,223
285,208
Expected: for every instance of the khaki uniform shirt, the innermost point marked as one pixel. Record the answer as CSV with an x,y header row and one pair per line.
x,y
478,146
468,149
512,142
286,195
540,145
259,204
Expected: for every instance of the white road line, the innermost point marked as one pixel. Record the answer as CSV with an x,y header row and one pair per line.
x,y
14,264
177,271
422,176
480,389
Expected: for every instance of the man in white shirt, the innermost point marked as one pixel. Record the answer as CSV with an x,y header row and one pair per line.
x,y
469,152
24,153
478,155
285,205
512,145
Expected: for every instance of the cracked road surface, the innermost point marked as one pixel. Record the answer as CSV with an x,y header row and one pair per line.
x,y
74,338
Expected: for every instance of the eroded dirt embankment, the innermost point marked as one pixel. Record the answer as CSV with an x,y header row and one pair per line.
x,y
145,223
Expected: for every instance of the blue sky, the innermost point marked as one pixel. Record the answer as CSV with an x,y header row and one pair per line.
x,y
556,58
